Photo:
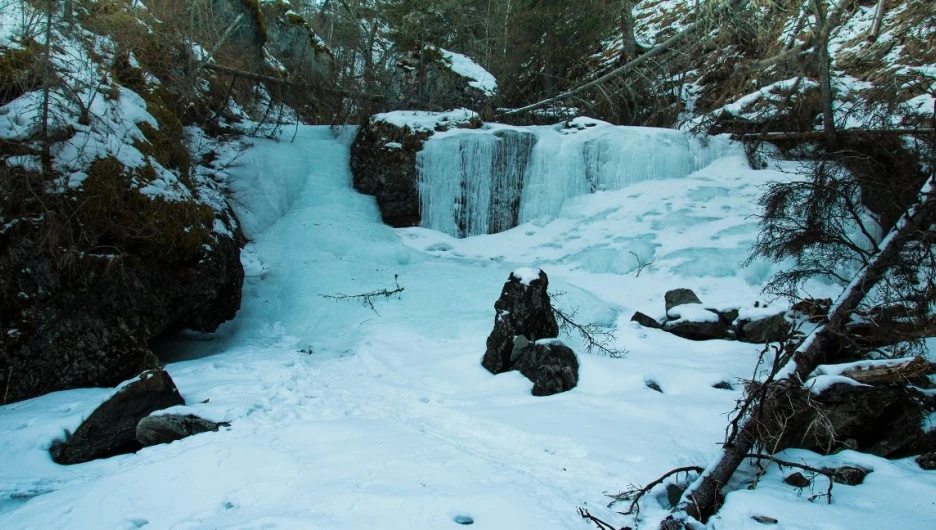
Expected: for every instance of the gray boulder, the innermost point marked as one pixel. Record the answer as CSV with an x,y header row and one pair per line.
x,y
523,308
165,428
770,329
646,320
549,364
111,429
678,297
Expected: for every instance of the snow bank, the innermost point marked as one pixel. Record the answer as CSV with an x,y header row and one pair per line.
x,y
465,67
419,120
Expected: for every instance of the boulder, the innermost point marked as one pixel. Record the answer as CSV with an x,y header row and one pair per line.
x,y
549,364
523,308
165,428
927,461
692,321
770,329
111,429
645,320
678,297
383,159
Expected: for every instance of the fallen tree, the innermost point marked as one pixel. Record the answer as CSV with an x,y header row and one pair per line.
x,y
701,498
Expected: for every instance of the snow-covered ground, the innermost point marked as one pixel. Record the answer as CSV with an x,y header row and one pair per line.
x,y
343,417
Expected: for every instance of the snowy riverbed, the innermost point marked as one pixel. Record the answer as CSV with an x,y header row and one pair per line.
x,y
347,418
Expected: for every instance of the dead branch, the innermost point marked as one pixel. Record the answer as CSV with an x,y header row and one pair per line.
x,y
598,522
634,495
367,299
640,265
828,473
596,337
902,370
261,78
815,135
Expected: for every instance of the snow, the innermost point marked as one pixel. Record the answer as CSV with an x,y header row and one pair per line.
x,y
352,418
818,384
465,67
526,275
418,120
691,313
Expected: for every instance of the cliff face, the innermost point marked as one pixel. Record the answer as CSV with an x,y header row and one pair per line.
x,y
114,225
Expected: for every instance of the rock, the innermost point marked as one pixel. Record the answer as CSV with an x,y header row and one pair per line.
x,y
674,494
927,460
883,420
523,308
111,429
429,82
85,318
678,297
653,385
770,329
550,365
723,385
848,475
646,321
383,162
797,480
165,428
764,519
691,330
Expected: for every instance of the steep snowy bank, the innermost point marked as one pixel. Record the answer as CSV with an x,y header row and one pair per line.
x,y
391,422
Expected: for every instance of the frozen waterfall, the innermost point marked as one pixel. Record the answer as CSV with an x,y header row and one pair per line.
x,y
483,181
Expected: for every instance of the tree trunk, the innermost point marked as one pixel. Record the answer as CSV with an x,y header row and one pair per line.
x,y
46,140
700,499
825,75
628,42
878,18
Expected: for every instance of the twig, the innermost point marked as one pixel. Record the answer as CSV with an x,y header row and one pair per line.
x,y
598,522
640,265
596,337
636,494
367,299
830,474
6,393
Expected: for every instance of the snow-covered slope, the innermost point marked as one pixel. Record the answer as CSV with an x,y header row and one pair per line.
x,y
348,418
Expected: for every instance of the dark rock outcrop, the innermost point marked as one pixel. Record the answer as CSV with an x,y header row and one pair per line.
x,y
522,309
111,429
883,420
428,81
550,365
383,163
72,318
165,428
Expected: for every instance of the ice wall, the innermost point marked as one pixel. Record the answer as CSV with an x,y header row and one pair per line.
x,y
470,183
474,182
